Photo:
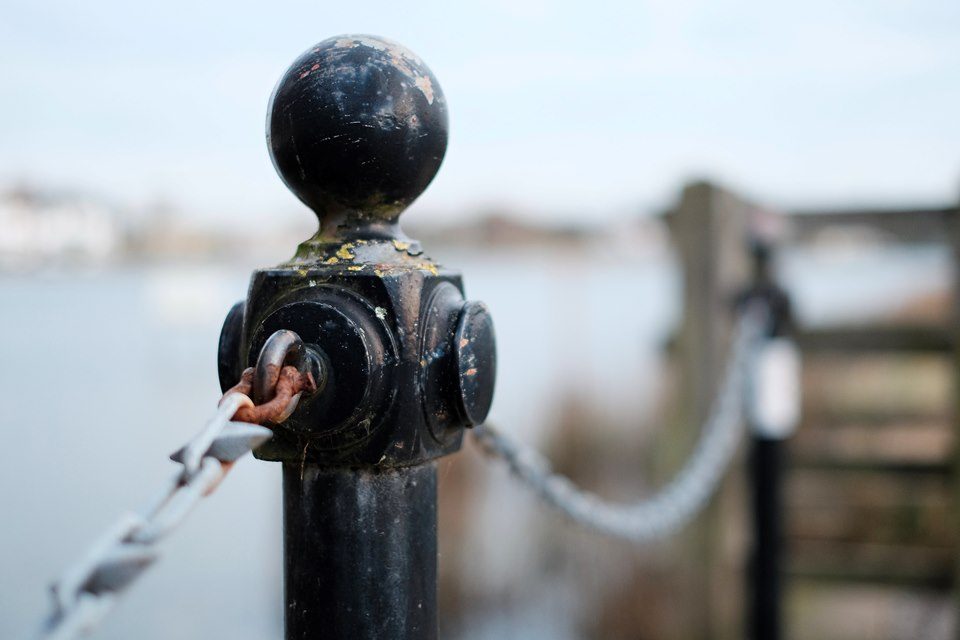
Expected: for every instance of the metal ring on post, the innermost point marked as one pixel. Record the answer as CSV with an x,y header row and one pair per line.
x,y
283,347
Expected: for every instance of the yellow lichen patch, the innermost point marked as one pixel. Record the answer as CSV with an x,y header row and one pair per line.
x,y
356,267
378,273
429,266
302,271
331,261
344,251
401,246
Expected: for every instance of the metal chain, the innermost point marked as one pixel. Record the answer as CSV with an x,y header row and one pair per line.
x,y
88,590
675,504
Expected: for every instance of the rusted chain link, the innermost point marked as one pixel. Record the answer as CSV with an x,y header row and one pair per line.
x,y
291,384
87,591
678,501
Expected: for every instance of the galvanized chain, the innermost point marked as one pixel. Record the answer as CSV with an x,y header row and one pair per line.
x,y
88,590
675,504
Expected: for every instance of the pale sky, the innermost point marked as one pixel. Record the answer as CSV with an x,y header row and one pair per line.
x,y
560,109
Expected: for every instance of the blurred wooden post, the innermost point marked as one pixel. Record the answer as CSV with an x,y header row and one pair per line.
x,y
953,225
710,228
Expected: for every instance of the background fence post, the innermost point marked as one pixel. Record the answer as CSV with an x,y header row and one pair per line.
x,y
953,225
773,410
710,228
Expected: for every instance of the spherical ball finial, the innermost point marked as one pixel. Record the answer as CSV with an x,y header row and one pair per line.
x,y
357,129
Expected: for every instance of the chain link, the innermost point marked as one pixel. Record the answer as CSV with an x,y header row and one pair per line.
x,y
674,505
88,590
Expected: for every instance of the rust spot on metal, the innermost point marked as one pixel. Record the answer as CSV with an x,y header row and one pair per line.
x,y
290,382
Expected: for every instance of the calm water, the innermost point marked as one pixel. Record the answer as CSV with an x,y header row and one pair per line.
x,y
105,372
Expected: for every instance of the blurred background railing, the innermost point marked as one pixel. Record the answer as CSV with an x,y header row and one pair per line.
x,y
871,497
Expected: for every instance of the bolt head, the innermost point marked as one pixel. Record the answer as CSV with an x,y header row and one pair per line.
x,y
476,357
357,129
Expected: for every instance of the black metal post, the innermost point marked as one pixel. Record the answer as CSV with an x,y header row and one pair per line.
x,y
766,476
769,429
357,129
360,552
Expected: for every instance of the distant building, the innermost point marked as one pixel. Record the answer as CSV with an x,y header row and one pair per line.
x,y
37,227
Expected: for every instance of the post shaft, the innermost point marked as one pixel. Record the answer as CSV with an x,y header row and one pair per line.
x,y
360,552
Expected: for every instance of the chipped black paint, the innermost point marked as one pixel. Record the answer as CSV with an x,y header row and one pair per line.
x,y
352,119
357,128
476,359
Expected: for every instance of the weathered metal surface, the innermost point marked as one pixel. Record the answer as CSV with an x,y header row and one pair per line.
x,y
282,348
288,388
361,552
357,128
476,362
229,367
